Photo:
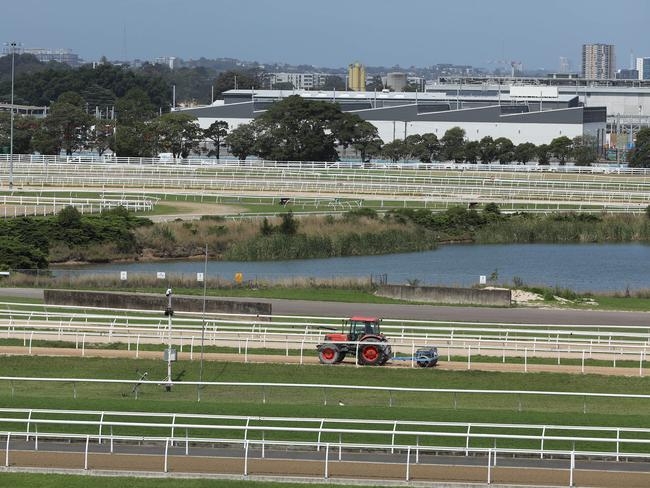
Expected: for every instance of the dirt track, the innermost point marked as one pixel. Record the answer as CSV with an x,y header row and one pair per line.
x,y
279,358
353,470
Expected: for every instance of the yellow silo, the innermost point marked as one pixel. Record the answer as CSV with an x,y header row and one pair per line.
x,y
357,77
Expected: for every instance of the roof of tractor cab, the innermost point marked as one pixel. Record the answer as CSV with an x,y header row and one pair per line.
x,y
365,319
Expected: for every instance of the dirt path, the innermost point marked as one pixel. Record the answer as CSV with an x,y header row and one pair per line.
x,y
280,469
283,359
189,210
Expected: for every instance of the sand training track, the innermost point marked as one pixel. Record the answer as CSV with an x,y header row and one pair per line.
x,y
282,465
282,359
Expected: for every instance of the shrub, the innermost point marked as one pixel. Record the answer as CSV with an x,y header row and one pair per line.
x,y
492,208
266,229
367,212
289,225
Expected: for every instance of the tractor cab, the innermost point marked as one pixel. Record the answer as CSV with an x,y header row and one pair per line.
x,y
359,327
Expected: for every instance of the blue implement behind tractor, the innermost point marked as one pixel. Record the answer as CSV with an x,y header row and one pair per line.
x,y
425,357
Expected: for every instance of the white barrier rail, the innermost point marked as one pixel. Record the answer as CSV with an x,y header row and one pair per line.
x,y
110,159
459,435
413,453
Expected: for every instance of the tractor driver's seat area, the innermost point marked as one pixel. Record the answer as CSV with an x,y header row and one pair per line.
x,y
363,326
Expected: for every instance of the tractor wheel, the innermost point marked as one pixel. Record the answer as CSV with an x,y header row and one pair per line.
x,y
423,364
329,354
371,353
341,356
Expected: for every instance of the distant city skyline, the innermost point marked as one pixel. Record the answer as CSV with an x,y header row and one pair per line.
x,y
376,33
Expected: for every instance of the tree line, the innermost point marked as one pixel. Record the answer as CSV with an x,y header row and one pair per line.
x,y
453,146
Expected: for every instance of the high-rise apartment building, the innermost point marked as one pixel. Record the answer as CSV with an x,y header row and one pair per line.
x,y
598,61
357,77
643,67
299,81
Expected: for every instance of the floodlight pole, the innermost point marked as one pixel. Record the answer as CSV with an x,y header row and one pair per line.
x,y
169,312
11,130
205,287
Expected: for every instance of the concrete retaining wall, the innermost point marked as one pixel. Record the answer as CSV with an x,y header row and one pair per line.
x,y
440,294
148,301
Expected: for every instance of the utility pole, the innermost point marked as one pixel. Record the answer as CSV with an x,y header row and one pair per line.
x,y
170,352
205,288
13,45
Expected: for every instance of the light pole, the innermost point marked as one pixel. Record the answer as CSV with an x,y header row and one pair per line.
x,y
205,288
170,353
13,45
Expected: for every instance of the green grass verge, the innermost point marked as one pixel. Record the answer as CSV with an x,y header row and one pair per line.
x,y
257,401
633,304
33,480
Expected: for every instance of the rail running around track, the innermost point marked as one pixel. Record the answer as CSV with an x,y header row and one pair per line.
x,y
299,336
621,442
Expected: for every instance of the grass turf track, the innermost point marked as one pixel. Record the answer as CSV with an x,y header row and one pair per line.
x,y
31,480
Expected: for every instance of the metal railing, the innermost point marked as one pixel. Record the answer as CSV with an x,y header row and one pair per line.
x,y
461,436
111,159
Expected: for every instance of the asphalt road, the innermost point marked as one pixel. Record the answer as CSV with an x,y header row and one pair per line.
x,y
426,312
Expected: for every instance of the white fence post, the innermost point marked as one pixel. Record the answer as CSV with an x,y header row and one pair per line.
x,y
245,458
489,473
327,455
7,450
86,453
408,463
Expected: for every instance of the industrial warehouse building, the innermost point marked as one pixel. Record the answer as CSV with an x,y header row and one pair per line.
x,y
523,114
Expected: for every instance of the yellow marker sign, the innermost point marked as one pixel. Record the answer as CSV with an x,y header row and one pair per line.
x,y
239,277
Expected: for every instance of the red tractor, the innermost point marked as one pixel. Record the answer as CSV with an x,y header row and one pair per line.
x,y
372,350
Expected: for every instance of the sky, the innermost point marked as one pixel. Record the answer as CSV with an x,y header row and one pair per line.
x,y
334,33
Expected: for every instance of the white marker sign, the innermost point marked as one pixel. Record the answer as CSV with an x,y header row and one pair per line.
x,y
123,275
199,276
160,275
482,280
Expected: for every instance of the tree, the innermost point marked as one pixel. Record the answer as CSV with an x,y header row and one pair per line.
x,y
524,152
136,140
543,154
133,136
177,133
217,131
365,139
425,147
102,136
333,82
505,150
640,155
241,141
135,106
395,150
375,84
25,126
266,229
289,225
561,148
452,144
584,150
240,79
487,150
297,129
471,151
66,127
